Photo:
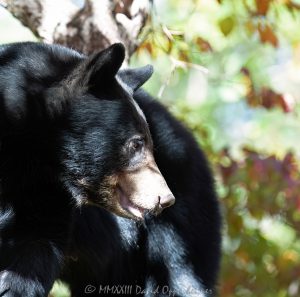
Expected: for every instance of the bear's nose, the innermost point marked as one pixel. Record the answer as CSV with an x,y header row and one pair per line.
x,y
166,201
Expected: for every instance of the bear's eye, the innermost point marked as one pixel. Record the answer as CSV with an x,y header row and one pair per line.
x,y
136,145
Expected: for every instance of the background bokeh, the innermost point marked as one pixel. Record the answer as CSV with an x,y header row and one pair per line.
x,y
231,71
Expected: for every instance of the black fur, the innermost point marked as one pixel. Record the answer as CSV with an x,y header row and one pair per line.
x,y
63,117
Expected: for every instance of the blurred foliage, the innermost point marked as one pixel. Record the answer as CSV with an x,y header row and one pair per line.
x,y
230,69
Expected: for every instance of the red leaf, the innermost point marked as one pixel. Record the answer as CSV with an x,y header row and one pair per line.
x,y
262,6
267,35
203,44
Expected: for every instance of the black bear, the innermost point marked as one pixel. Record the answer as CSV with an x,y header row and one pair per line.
x,y
88,161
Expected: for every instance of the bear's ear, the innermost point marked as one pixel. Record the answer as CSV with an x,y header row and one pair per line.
x,y
100,67
135,77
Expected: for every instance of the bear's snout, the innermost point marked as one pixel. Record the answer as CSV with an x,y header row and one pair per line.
x,y
144,190
167,201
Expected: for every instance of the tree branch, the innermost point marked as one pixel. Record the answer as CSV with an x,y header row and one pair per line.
x,y
88,28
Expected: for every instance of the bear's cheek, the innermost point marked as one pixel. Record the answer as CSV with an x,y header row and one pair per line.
x,y
131,193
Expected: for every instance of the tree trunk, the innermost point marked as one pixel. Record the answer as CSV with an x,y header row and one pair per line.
x,y
86,25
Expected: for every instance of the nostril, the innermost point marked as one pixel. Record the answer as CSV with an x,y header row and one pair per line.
x,y
166,201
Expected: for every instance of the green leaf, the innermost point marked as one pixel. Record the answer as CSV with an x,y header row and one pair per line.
x,y
226,25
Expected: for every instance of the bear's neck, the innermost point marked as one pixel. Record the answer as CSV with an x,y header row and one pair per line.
x,y
30,178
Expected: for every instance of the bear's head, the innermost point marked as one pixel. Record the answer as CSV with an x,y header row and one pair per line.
x,y
107,150
69,123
